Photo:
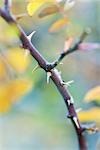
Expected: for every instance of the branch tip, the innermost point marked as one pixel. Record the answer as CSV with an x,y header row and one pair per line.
x,y
84,34
88,30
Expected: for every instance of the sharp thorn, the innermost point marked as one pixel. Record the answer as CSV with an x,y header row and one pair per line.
x,y
76,122
69,116
71,100
61,63
68,102
68,83
78,110
48,77
31,35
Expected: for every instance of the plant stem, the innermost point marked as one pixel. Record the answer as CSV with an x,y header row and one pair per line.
x,y
54,75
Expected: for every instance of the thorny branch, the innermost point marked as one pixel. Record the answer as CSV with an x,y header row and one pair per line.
x,y
70,50
55,76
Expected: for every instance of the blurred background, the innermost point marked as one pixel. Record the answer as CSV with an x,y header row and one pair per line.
x,y
33,115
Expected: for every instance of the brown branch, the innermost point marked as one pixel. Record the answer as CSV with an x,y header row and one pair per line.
x,y
70,50
55,76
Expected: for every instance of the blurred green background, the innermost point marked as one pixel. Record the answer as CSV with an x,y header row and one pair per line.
x,y
39,120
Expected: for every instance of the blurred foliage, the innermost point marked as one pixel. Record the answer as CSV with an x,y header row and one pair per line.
x,y
11,92
90,115
32,113
93,95
21,63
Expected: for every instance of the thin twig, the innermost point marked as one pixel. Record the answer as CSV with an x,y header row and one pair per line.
x,y
70,50
56,78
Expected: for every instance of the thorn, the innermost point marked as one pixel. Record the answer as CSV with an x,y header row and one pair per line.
x,y
68,102
91,128
69,116
61,63
48,77
71,100
27,52
35,68
68,83
30,35
76,122
78,110
20,16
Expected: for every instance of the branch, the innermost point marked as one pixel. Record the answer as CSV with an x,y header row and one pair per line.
x,y
55,76
7,5
70,50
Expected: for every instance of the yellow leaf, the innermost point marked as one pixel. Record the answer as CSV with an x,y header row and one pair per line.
x,y
10,32
93,95
34,5
12,91
49,11
16,58
5,104
59,24
91,115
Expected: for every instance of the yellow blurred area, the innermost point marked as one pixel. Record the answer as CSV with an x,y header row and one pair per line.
x,y
19,87
5,103
16,58
34,5
59,24
93,94
11,88
12,91
91,115
10,32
